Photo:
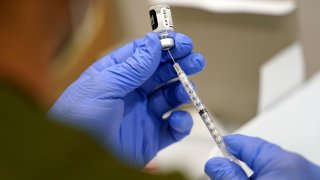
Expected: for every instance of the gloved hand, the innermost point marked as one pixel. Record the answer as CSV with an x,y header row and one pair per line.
x,y
267,161
122,97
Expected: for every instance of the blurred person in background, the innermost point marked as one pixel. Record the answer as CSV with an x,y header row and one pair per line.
x,y
108,100
119,102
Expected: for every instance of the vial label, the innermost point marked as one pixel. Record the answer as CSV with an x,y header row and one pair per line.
x,y
166,15
161,19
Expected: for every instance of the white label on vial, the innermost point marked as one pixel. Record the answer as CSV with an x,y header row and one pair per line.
x,y
167,19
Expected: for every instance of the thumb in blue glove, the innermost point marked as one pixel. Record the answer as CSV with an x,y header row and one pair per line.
x,y
267,161
122,97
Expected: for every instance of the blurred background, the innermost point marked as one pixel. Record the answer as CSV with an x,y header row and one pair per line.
x,y
254,53
234,45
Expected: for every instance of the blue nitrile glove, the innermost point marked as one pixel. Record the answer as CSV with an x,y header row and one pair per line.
x,y
122,97
268,161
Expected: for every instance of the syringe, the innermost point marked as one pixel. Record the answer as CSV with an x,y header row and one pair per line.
x,y
202,110
161,21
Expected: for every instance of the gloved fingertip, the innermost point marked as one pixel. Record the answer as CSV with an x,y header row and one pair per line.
x,y
211,165
183,41
196,64
222,168
233,139
153,45
152,39
181,122
193,63
182,95
201,61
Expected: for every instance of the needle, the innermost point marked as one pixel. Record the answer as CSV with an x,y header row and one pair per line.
x,y
171,57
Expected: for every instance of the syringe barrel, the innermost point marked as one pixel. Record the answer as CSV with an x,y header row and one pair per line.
x,y
188,86
203,112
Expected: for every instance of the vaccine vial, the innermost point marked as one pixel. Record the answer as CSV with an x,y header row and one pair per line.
x,y
161,22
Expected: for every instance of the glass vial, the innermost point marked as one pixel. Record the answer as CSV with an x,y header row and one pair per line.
x,y
161,22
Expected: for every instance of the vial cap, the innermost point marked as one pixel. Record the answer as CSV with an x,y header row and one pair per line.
x,y
167,43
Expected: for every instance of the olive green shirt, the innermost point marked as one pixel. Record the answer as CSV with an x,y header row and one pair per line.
x,y
33,147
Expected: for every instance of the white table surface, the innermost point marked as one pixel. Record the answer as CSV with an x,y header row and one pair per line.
x,y
294,123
